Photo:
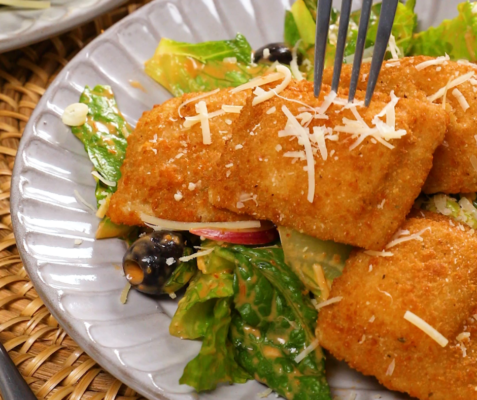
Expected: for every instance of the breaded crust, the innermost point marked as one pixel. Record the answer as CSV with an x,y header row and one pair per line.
x,y
163,159
436,279
362,195
453,171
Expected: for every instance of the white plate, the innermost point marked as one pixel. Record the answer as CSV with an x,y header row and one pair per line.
x,y
20,28
79,283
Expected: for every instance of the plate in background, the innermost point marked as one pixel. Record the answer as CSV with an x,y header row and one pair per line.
x,y
79,283
19,27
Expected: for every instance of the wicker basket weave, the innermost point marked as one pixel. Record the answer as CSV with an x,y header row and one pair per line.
x,y
51,362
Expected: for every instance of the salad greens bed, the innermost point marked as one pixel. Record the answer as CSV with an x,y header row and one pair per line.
x,y
254,308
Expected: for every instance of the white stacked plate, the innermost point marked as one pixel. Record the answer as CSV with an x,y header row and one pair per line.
x,y
20,27
80,283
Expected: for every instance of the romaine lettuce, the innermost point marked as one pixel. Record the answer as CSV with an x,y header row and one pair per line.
x,y
457,37
185,67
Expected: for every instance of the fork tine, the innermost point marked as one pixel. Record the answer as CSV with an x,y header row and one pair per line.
x,y
361,41
322,26
386,19
340,46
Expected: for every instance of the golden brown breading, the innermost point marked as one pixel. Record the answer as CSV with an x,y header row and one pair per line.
x,y
436,279
362,196
452,171
163,159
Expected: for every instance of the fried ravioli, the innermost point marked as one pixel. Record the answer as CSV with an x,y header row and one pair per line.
x,y
436,279
167,168
455,161
361,196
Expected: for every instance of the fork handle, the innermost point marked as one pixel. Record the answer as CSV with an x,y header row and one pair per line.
x,y
12,384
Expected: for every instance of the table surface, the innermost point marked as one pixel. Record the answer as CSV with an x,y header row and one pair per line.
x,y
50,361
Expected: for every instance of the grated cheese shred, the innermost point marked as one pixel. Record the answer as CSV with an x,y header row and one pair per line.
x,y
461,99
303,135
300,357
375,253
201,108
436,61
426,328
401,237
328,302
81,200
473,161
259,81
96,174
158,224
196,255
202,96
279,88
232,109
391,367
321,280
294,63
452,84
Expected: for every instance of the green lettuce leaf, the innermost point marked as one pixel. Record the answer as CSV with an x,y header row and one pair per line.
x,y
186,67
275,321
195,312
457,37
215,363
104,138
303,252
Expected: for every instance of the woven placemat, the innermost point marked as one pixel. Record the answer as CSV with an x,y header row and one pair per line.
x,y
51,362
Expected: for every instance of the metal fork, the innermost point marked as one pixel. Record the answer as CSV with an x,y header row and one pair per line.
x,y
12,384
386,19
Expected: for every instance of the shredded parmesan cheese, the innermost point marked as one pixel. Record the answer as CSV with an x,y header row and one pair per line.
x,y
78,242
319,136
279,88
230,60
461,99
333,300
321,280
81,200
300,357
195,99
232,109
374,253
400,237
201,108
473,161
327,102
104,205
178,196
96,174
303,135
124,294
463,336
196,255
294,63
158,224
268,391
271,110
426,328
259,81
393,48
452,84
436,61
391,367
